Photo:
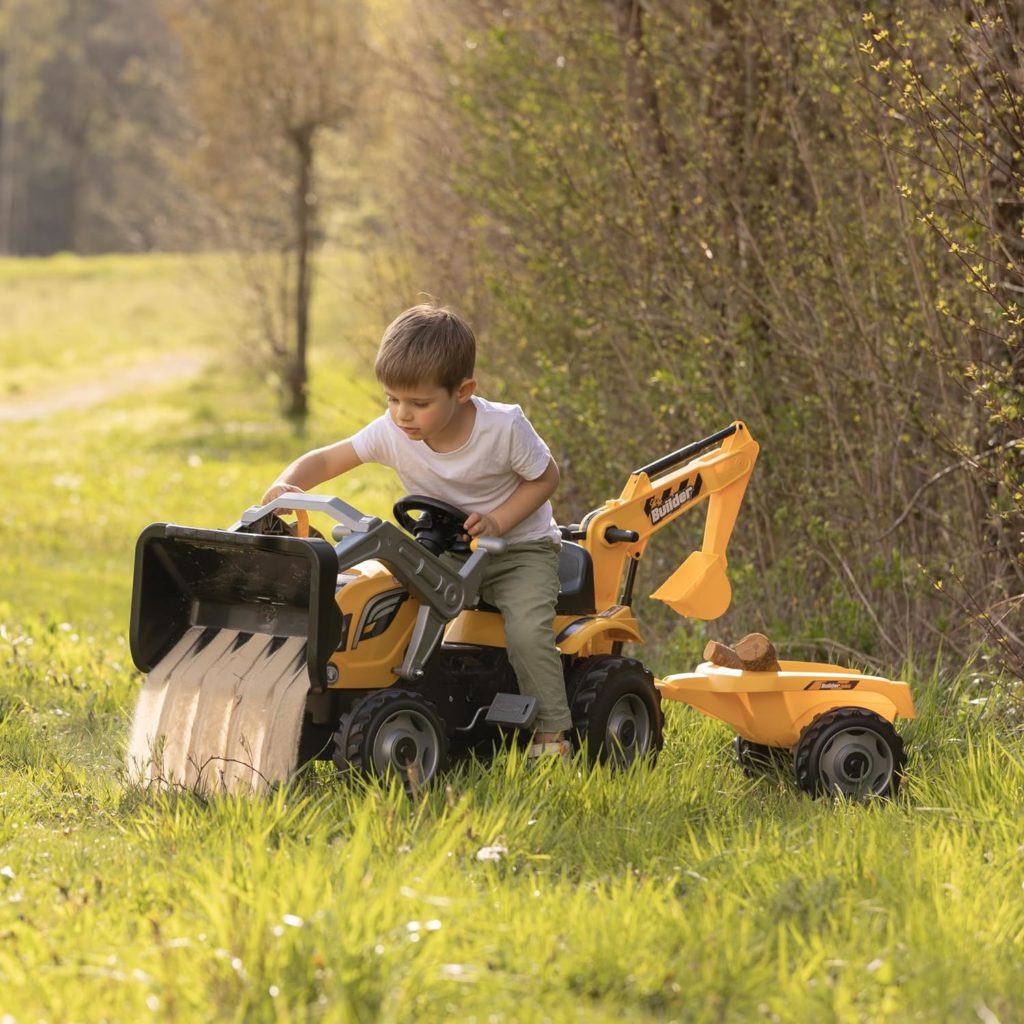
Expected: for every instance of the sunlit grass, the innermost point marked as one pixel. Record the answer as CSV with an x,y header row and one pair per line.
x,y
684,891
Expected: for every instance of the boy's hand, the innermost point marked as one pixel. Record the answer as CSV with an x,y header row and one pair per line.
x,y
276,490
478,525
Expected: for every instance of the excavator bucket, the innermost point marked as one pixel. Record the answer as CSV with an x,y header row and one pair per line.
x,y
699,588
233,629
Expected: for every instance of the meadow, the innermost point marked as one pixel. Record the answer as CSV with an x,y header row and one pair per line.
x,y
679,892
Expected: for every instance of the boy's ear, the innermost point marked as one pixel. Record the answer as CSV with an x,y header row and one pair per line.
x,y
465,390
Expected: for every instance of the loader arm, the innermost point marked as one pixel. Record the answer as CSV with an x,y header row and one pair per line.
x,y
716,470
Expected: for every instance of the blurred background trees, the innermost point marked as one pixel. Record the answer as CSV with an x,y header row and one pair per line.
x,y
660,215
86,109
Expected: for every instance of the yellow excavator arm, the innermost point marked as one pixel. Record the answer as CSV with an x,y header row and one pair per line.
x,y
715,469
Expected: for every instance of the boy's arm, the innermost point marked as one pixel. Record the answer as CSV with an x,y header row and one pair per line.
x,y
526,498
314,468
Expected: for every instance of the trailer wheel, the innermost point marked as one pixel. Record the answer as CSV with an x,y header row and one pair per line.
x,y
849,751
616,710
758,759
393,731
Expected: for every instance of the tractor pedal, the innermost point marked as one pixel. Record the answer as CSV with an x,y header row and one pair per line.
x,y
512,709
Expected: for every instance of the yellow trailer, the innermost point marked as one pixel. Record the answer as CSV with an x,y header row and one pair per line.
x,y
838,723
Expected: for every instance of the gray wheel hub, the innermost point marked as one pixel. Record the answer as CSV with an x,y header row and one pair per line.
x,y
407,742
857,762
628,733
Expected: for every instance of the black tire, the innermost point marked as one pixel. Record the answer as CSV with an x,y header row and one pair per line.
x,y
393,731
758,759
616,710
851,751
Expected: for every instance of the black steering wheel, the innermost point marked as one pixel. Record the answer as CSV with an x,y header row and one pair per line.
x,y
440,527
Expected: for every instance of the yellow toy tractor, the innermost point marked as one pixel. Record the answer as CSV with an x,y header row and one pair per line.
x,y
266,649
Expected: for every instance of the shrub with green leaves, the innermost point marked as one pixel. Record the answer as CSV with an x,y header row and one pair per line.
x,y
789,214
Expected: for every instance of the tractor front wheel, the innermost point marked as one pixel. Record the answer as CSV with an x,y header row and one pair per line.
x,y
849,751
616,710
393,731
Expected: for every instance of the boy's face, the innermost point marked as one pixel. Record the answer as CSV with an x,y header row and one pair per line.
x,y
426,411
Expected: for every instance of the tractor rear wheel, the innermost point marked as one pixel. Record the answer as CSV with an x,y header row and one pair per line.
x,y
616,710
393,731
851,751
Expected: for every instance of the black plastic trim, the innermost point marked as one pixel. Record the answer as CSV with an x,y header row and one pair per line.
x,y
630,581
573,627
613,535
668,461
275,586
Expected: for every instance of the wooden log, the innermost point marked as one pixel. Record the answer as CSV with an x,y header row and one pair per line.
x,y
757,653
721,654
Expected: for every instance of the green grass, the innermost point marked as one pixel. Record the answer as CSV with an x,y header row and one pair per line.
x,y
88,329
680,892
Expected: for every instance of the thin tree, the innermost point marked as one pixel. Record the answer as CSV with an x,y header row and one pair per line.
x,y
271,83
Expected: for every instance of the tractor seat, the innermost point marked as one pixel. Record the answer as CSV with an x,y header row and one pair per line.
x,y
576,583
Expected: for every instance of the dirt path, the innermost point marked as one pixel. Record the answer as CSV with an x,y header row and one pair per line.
x,y
81,396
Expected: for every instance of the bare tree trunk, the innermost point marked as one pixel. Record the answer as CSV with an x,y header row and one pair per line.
x,y
641,90
1000,70
7,162
76,133
305,213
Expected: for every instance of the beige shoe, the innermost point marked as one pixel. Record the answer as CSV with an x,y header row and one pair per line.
x,y
556,748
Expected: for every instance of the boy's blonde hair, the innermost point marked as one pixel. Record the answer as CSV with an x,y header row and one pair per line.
x,y
426,344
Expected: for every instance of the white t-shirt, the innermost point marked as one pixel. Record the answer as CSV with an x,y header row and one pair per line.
x,y
502,451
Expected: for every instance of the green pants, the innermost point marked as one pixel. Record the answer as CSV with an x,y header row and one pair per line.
x,y
523,584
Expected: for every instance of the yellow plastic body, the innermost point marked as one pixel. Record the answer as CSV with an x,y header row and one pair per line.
x,y
773,708
368,661
698,589
574,634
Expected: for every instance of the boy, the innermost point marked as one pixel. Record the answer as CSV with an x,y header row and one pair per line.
x,y
446,442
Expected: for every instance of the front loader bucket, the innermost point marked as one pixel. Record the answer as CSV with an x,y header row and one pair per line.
x,y
234,629
220,579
